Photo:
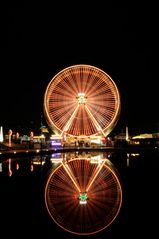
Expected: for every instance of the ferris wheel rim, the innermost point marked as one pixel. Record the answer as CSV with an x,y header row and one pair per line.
x,y
109,126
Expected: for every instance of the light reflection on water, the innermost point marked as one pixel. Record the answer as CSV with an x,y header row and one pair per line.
x,y
23,182
11,165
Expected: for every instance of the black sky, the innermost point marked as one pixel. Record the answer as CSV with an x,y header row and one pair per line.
x,y
41,42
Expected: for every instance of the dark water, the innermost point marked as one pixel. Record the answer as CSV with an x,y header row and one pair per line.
x,y
23,211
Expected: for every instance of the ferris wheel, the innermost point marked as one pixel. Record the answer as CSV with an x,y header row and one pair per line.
x,y
82,100
83,197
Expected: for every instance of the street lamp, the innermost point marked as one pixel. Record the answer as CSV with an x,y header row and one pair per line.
x,y
1,134
9,137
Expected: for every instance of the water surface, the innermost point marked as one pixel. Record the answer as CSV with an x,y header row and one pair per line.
x,y
22,202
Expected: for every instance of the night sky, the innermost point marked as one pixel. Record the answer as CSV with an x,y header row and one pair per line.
x,y
40,42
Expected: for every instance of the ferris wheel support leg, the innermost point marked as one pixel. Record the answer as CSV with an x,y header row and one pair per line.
x,y
66,127
98,127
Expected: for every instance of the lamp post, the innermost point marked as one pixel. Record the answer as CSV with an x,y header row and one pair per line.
x,y
9,137
1,137
1,134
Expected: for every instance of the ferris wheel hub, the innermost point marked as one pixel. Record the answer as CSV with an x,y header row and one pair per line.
x,y
81,98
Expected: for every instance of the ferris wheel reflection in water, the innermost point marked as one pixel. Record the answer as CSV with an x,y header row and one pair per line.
x,y
83,195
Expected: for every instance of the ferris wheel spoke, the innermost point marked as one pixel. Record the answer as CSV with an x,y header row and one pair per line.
x,y
95,174
70,174
67,125
94,120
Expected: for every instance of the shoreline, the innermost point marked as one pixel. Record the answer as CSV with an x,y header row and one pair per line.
x,y
32,152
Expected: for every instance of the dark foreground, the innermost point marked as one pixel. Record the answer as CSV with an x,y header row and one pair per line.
x,y
22,207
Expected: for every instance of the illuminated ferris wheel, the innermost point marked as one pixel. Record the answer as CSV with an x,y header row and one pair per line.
x,y
83,197
82,100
